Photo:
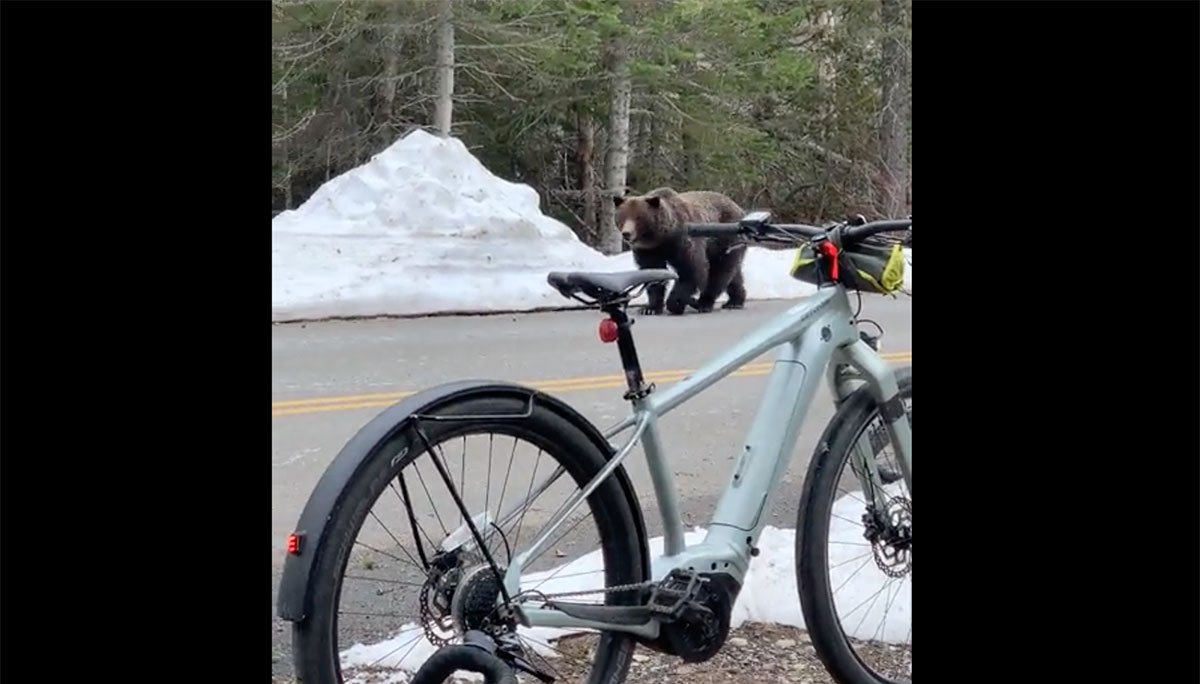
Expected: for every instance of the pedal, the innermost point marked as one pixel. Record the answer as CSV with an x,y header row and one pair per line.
x,y
675,594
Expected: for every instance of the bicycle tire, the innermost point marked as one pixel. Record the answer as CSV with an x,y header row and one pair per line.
x,y
314,639
462,658
812,535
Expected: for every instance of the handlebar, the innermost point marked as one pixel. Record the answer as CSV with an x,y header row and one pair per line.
x,y
755,226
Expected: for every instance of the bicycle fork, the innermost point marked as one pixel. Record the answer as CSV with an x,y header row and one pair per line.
x,y
844,379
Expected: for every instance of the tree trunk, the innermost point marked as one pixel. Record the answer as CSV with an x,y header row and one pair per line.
x,y
652,145
384,97
893,137
586,156
443,106
687,149
616,162
328,158
287,157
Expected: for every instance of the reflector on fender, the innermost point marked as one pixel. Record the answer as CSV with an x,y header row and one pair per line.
x,y
293,544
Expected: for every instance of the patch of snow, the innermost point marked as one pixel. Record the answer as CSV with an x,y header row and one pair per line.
x,y
424,227
406,650
769,593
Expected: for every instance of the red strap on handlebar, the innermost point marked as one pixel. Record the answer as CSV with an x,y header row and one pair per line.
x,y
830,250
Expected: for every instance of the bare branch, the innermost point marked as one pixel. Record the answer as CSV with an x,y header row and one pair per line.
x,y
374,80
485,44
490,77
561,203
299,126
323,33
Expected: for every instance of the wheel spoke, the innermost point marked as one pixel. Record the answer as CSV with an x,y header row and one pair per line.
x,y
870,599
849,560
413,523
414,641
400,546
462,476
504,486
887,609
395,558
430,497
385,581
487,488
532,479
557,539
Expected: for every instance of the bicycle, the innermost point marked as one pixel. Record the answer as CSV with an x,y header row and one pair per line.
x,y
677,602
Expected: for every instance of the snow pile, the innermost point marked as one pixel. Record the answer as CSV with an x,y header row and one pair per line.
x,y
424,227
870,605
421,228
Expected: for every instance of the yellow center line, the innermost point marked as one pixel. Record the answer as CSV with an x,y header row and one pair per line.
x,y
291,407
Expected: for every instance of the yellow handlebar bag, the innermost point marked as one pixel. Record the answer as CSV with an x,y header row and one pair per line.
x,y
864,267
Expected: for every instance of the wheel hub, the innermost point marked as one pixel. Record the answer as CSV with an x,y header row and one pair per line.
x,y
437,597
890,534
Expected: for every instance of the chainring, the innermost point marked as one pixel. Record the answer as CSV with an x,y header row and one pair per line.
x,y
700,632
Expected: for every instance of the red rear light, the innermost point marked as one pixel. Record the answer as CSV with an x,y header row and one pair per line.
x,y
608,330
293,544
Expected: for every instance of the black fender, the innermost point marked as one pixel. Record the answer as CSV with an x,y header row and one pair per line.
x,y
295,600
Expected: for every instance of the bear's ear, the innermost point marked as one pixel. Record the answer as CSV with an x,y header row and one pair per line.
x,y
653,201
618,200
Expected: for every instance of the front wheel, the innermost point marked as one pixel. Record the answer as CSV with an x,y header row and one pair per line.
x,y
854,549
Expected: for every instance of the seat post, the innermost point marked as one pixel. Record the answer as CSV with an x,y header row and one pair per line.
x,y
638,389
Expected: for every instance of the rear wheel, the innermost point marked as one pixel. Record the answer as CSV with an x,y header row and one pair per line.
x,y
400,574
853,560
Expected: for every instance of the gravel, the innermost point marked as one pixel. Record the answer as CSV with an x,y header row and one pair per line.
x,y
755,653
761,653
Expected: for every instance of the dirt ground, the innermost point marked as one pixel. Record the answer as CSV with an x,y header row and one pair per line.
x,y
754,654
761,654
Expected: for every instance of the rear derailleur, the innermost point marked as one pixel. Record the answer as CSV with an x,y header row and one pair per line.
x,y
510,650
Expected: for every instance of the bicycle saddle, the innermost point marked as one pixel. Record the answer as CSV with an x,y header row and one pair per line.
x,y
603,286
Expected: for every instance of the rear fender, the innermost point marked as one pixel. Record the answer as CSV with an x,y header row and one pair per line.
x,y
327,498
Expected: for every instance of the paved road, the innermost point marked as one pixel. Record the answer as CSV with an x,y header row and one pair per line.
x,y
330,378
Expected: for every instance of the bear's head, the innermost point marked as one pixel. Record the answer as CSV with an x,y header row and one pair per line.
x,y
646,221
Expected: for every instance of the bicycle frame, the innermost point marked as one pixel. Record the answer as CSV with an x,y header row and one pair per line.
x,y
811,336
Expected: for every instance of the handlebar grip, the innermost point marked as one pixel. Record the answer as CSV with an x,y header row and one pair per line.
x,y
799,229
856,233
712,229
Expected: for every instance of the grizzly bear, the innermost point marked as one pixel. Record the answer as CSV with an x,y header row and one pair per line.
x,y
653,226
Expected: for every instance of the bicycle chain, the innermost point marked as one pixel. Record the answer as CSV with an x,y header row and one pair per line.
x,y
585,592
428,621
